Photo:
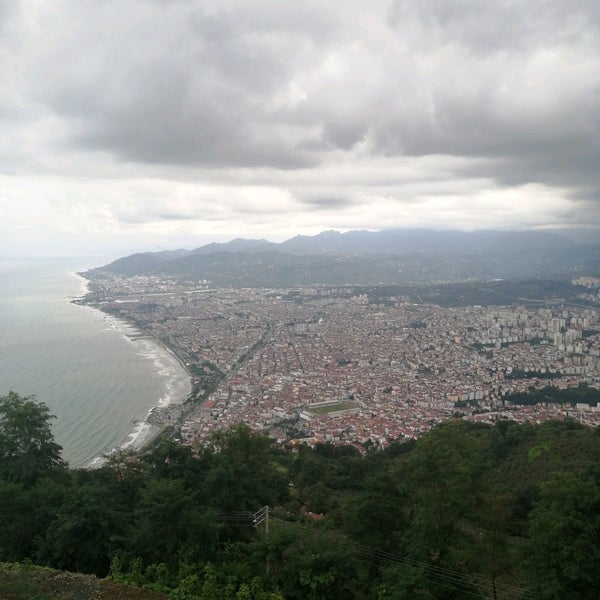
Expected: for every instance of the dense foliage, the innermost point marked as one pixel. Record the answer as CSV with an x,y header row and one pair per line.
x,y
468,511
553,395
27,447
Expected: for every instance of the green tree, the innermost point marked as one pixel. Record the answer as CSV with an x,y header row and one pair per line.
x,y
169,524
376,516
27,446
26,513
87,525
308,563
245,472
16,530
443,475
564,530
406,582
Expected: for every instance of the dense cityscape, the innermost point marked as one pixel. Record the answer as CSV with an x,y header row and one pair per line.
x,y
339,365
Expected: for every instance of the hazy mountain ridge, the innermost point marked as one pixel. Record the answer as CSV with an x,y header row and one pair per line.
x,y
386,256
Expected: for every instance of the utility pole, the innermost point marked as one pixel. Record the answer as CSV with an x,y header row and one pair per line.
x,y
267,537
267,521
260,517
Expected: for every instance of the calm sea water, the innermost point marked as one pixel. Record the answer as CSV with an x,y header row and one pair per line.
x,y
99,383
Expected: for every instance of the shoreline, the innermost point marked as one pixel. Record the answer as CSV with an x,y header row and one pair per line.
x,y
145,432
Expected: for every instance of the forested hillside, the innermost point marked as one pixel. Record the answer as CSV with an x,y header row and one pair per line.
x,y
466,511
392,256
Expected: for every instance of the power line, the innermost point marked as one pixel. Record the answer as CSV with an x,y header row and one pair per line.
x,y
440,576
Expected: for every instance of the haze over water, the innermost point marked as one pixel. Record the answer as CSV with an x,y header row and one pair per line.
x,y
99,383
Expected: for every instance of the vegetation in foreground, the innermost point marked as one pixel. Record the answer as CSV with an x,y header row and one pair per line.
x,y
467,511
24,581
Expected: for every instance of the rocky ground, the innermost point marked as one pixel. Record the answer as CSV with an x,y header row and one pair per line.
x,y
23,582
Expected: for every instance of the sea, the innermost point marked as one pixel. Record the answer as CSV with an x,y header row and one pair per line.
x,y
95,376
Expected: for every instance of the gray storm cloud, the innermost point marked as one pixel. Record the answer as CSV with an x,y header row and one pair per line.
x,y
516,84
331,103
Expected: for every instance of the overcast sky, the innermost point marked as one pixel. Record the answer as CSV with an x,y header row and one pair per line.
x,y
132,125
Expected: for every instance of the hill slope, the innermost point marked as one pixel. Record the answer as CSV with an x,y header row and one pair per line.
x,y
366,257
26,582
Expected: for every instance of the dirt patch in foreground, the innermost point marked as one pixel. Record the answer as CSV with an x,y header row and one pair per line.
x,y
24,582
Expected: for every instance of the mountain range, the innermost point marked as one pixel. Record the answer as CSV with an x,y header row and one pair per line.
x,y
370,257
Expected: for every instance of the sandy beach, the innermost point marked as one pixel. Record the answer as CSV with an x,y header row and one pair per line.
x,y
147,428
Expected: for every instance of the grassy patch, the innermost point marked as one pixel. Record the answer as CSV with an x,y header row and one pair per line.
x,y
332,408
